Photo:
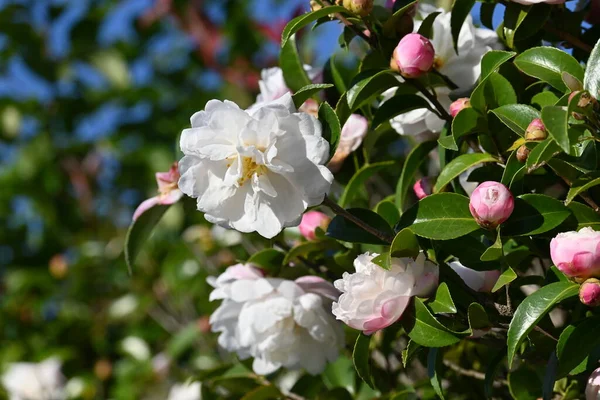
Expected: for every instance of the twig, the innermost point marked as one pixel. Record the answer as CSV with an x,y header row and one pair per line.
x,y
545,333
567,37
340,211
433,99
472,373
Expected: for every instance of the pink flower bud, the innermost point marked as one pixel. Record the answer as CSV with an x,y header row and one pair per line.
x,y
589,292
592,389
536,130
359,7
577,254
168,190
491,204
414,55
423,187
458,105
311,221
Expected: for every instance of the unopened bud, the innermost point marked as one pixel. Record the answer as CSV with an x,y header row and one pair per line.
x,y
491,204
585,100
589,292
311,221
359,7
458,105
523,153
423,187
592,389
536,130
413,56
315,6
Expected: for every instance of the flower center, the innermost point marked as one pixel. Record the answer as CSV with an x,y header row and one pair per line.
x,y
249,168
167,188
438,63
491,196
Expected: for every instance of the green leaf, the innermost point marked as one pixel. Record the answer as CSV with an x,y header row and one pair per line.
x,y
301,21
582,184
442,300
541,153
183,340
360,177
591,81
532,309
342,229
440,216
498,91
416,157
310,247
459,165
332,130
576,344
505,278
584,215
140,230
422,327
513,169
426,28
389,27
434,363
478,318
307,92
548,64
399,104
269,259
534,214
490,373
490,62
516,116
467,121
362,360
524,21
486,14
460,10
556,120
266,392
387,209
494,252
524,384
572,83
550,377
412,348
292,68
405,244
369,84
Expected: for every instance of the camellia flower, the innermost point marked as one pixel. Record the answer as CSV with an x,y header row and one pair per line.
x,y
353,132
281,323
589,292
34,381
374,298
459,105
272,84
254,170
592,389
479,281
168,191
577,254
311,221
423,187
190,391
413,56
491,204
530,2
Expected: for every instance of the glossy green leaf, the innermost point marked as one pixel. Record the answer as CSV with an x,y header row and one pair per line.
x,y
498,91
412,348
292,67
490,62
359,179
490,373
494,252
405,244
389,27
361,356
367,85
342,229
265,392
399,104
466,122
534,214
442,300
268,259
591,81
524,384
575,345
332,130
301,21
440,216
584,215
512,169
305,249
541,153
416,157
434,364
582,184
547,64
426,27
505,278
459,165
388,210
460,11
424,329
532,309
342,110
524,21
307,92
139,231
516,116
478,318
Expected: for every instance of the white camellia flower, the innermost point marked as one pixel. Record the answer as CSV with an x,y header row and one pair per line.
x,y
281,323
272,84
190,391
479,281
254,170
34,381
374,298
463,68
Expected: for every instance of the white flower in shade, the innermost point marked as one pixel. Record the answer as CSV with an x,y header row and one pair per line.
x,y
272,84
254,170
34,381
463,68
226,237
136,347
281,323
353,132
190,391
374,298
479,281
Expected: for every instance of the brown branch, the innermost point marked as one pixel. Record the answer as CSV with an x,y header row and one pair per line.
x,y
586,197
567,37
350,25
472,373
